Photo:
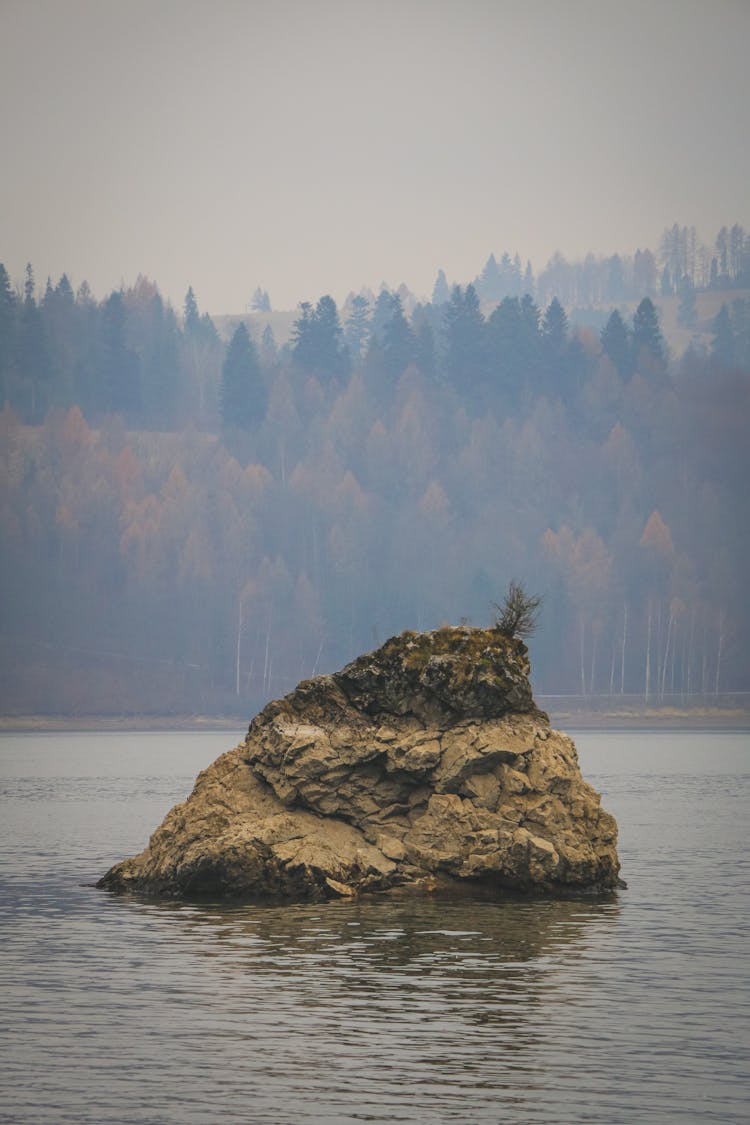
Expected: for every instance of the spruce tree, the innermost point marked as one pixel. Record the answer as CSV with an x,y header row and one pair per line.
x,y
358,328
191,316
424,342
441,293
243,394
615,340
398,339
465,340
120,382
489,284
7,332
317,339
33,357
647,333
555,326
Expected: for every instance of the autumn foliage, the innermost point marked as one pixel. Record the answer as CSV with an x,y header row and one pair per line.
x,y
197,566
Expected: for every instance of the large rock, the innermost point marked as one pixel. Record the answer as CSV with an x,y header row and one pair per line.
x,y
422,764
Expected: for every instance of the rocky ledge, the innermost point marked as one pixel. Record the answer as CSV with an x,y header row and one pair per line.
x,y
423,764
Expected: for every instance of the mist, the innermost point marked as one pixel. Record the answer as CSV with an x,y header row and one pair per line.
x,y
314,148
196,516
320,321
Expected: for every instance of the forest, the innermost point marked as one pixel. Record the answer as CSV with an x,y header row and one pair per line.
x,y
193,519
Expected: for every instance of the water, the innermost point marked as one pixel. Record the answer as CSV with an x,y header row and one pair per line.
x,y
633,1009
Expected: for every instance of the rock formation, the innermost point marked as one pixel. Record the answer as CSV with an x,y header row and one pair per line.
x,y
423,764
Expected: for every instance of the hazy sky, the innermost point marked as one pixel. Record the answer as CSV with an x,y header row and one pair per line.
x,y
313,146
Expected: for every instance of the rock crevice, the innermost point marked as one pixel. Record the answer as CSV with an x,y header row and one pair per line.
x,y
423,763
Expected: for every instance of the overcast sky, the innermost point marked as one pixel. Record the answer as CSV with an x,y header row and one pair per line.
x,y
315,146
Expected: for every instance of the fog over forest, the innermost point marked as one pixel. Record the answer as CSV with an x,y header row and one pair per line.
x,y
195,513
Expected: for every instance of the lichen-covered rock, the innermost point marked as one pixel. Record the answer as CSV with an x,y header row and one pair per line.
x,y
419,764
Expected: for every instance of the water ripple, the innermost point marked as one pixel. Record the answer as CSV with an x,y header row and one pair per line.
x,y
630,1009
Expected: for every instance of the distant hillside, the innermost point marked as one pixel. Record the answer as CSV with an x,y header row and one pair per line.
x,y
280,322
707,305
678,338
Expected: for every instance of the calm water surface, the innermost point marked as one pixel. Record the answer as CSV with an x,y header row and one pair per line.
x,y
633,1009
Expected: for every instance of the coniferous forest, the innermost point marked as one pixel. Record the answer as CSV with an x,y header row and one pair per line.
x,y
194,515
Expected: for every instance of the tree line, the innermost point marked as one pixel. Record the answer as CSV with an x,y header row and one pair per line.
x,y
681,262
188,523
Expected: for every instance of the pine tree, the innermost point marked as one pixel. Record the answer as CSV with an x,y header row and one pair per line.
x,y
29,285
303,341
441,293
358,328
557,357
555,326
7,333
191,316
261,302
615,340
269,348
398,339
465,339
161,367
381,314
506,354
317,339
510,275
63,340
33,358
647,333
489,284
120,381
243,394
530,316
424,341
517,615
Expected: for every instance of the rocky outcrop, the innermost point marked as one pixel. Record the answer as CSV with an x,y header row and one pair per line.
x,y
422,764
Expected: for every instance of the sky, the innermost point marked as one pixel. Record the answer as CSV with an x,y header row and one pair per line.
x,y
319,146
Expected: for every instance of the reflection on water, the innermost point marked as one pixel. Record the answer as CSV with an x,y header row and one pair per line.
x,y
404,932
630,1009
352,1011
474,954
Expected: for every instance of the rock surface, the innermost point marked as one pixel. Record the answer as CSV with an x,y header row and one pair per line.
x,y
421,764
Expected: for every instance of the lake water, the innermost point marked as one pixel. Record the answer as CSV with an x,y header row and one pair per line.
x,y
631,1009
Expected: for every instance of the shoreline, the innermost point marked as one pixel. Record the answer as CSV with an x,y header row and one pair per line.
x,y
60,724
652,719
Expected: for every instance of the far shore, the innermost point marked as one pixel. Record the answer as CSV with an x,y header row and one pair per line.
x,y
41,724
650,719
653,720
